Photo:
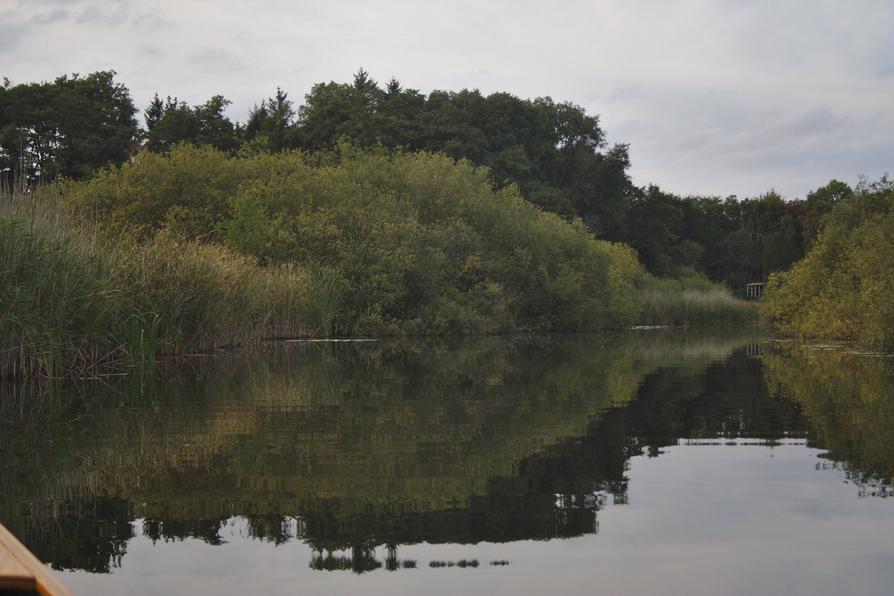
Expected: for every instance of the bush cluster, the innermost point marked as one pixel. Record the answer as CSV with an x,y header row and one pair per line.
x,y
843,288
412,243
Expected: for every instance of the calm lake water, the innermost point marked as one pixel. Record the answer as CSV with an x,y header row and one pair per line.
x,y
649,462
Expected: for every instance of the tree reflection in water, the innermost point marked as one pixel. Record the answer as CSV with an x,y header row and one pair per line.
x,y
356,449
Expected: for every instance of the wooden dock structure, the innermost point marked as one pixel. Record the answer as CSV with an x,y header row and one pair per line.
x,y
22,572
755,290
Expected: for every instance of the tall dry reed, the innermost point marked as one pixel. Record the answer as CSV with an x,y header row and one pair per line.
x,y
688,301
77,300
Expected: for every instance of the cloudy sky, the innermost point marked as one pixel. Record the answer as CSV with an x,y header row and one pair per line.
x,y
714,97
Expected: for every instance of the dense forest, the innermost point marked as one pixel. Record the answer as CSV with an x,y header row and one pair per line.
x,y
555,153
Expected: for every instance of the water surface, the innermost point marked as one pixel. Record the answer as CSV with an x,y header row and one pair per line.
x,y
648,462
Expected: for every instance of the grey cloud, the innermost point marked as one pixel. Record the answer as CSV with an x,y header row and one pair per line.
x,y
123,14
10,35
152,51
220,59
48,18
91,15
104,14
810,122
150,22
39,4
691,141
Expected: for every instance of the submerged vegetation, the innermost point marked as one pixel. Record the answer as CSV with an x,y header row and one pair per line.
x,y
844,288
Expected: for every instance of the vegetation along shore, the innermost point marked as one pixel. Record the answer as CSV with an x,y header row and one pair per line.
x,y
378,210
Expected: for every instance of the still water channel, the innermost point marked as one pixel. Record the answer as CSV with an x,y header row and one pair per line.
x,y
650,462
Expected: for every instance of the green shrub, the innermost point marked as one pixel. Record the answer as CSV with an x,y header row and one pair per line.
x,y
843,288
422,244
196,250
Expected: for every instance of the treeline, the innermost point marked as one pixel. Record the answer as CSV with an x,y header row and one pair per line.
x,y
554,152
68,128
844,287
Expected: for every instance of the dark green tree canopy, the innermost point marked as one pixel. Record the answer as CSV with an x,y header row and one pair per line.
x,y
70,127
271,122
172,122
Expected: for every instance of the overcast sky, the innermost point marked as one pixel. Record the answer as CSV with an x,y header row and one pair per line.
x,y
714,97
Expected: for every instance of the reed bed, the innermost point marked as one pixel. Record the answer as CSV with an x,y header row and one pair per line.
x,y
79,301
686,302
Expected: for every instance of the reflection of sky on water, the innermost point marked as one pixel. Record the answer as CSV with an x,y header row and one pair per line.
x,y
702,518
